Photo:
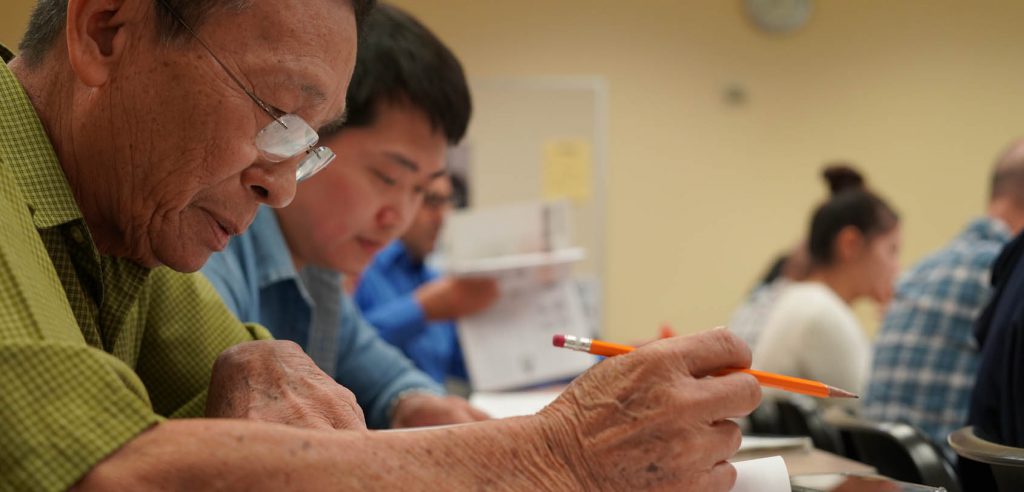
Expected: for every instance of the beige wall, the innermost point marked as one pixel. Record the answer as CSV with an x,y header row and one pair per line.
x,y
921,93
13,17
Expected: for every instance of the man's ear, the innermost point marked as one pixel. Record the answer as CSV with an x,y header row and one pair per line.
x,y
96,38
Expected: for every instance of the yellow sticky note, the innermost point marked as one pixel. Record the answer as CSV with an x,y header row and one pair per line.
x,y
567,169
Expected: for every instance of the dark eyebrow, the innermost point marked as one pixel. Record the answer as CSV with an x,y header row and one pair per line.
x,y
410,165
318,97
314,93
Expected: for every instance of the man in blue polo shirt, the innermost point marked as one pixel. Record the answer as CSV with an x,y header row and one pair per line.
x,y
411,305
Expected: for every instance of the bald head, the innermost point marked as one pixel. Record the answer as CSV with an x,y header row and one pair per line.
x,y
1006,202
1008,174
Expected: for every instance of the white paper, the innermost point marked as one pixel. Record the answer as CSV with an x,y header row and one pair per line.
x,y
525,248
522,228
488,267
762,475
761,443
509,345
513,403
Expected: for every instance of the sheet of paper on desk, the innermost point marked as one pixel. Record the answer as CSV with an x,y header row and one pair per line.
x,y
762,475
761,443
827,482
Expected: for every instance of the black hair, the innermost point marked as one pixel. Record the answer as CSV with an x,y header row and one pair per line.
x,y
460,191
46,24
774,270
851,204
841,176
401,61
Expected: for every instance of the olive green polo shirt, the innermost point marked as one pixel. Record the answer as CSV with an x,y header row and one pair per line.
x,y
93,349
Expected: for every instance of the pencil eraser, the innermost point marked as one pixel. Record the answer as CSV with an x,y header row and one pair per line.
x,y
558,340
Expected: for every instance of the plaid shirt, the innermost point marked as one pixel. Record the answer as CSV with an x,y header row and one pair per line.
x,y
93,349
925,355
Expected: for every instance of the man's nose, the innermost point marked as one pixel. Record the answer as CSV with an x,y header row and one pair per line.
x,y
272,183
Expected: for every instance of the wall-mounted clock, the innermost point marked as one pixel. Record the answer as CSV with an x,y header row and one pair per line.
x,y
779,16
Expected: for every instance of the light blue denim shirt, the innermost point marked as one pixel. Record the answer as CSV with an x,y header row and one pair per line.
x,y
257,280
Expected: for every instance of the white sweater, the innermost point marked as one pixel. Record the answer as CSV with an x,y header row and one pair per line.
x,y
811,333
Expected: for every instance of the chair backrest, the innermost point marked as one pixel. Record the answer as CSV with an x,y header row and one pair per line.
x,y
800,417
896,450
764,420
1006,462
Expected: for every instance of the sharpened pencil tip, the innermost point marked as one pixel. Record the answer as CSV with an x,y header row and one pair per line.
x,y
838,393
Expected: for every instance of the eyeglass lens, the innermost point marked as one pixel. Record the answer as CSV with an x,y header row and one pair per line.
x,y
314,161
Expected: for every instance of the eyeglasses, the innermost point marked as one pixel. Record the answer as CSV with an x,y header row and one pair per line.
x,y
287,136
438,201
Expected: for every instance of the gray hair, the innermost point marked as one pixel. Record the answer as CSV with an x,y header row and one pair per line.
x,y
48,18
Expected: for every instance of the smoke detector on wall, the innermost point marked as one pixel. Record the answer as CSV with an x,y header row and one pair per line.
x,y
778,16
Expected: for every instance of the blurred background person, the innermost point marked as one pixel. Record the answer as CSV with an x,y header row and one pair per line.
x,y
411,304
997,404
812,332
925,355
748,319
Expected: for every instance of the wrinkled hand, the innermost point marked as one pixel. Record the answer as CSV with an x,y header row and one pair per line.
x,y
422,409
452,297
275,381
652,420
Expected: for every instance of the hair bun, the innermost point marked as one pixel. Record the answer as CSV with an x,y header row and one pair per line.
x,y
841,177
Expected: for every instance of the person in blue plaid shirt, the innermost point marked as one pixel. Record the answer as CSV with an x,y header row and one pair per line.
x,y
925,355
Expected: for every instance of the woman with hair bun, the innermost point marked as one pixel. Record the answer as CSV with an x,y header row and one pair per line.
x,y
793,265
853,246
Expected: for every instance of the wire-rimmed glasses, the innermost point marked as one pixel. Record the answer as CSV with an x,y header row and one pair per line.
x,y
287,136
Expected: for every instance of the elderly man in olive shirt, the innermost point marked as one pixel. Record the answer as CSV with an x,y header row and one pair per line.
x,y
136,136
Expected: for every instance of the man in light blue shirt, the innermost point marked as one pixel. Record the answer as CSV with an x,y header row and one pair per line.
x,y
258,282
408,100
411,305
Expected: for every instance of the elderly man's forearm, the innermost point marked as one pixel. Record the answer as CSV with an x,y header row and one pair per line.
x,y
238,454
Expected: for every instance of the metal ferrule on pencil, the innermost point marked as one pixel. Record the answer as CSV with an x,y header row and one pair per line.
x,y
577,343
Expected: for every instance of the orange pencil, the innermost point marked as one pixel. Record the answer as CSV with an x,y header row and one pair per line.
x,y
787,383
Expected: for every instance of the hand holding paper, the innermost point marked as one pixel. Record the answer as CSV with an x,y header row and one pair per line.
x,y
452,297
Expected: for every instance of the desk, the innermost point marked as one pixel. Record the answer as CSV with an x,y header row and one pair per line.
x,y
804,461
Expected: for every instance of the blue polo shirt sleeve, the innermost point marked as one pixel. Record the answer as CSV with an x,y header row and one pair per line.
x,y
399,319
373,369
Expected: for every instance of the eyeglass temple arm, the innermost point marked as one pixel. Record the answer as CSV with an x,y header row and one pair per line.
x,y
259,102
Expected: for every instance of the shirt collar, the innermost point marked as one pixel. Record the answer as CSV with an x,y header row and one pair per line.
x,y
988,229
26,150
272,253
